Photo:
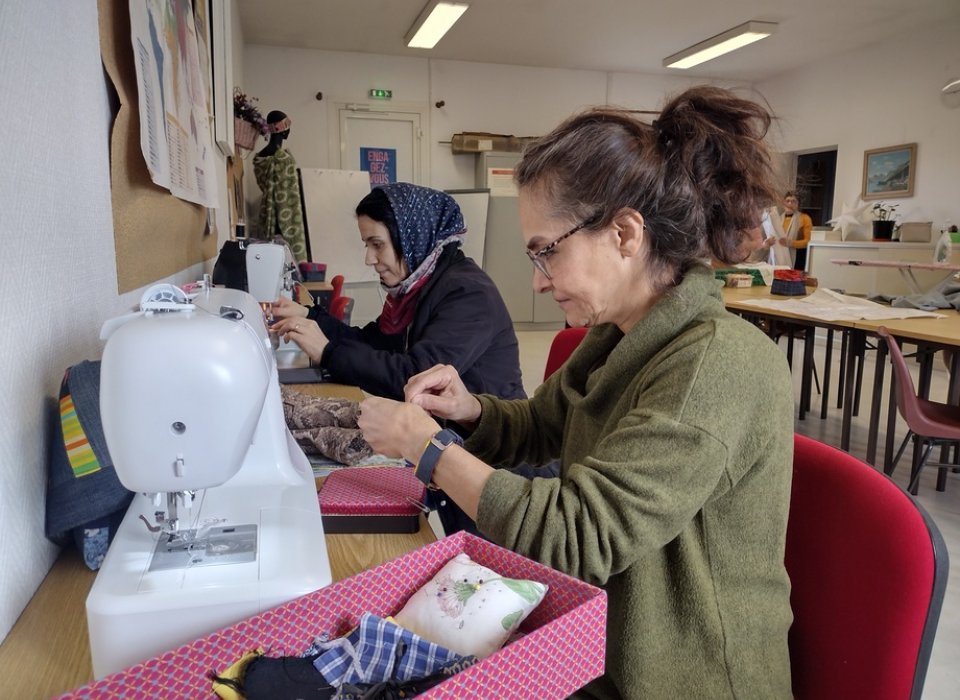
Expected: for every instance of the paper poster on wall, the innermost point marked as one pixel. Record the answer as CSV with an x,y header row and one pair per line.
x,y
330,199
174,100
381,163
500,181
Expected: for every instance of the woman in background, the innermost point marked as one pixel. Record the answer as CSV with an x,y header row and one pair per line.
x,y
441,308
673,492
797,228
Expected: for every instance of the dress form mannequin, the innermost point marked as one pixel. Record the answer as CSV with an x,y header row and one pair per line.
x,y
281,211
276,137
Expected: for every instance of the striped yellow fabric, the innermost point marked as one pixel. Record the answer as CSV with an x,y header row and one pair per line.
x,y
82,459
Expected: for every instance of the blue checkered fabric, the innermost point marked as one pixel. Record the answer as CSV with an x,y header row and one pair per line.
x,y
379,650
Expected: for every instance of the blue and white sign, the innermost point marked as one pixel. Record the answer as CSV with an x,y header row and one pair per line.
x,y
381,163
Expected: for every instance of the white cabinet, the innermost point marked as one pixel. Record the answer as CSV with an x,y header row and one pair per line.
x,y
504,257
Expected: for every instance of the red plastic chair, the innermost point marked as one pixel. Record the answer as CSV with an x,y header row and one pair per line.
x,y
340,308
564,343
930,423
868,572
337,284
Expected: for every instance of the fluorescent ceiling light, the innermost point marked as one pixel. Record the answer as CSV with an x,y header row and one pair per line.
x,y
730,40
434,21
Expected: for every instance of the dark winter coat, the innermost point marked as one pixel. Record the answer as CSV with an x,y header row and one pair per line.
x,y
460,320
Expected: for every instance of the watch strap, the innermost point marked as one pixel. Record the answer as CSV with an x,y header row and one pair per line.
x,y
431,453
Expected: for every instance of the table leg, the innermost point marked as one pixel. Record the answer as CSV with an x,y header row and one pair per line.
x,y
860,352
891,434
841,371
809,336
876,402
856,339
825,399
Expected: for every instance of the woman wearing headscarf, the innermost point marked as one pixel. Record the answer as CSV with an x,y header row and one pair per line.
x,y
441,308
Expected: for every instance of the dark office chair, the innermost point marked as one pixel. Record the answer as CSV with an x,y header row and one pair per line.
x,y
564,343
929,423
868,572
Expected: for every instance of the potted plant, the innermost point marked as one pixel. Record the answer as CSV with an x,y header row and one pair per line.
x,y
248,122
883,220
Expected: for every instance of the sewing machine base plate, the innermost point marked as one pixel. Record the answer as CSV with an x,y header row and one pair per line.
x,y
234,544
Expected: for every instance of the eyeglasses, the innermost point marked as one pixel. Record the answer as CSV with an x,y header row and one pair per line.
x,y
539,259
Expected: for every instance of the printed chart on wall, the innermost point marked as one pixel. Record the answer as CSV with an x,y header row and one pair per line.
x,y
330,199
174,96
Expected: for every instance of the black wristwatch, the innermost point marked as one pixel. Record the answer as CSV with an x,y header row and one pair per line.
x,y
431,455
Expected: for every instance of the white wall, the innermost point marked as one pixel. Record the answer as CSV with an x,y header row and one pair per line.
x,y
58,280
517,100
880,96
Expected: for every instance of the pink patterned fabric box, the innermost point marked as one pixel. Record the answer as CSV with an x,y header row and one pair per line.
x,y
371,499
562,648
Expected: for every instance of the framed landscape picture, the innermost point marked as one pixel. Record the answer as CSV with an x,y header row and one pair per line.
x,y
889,172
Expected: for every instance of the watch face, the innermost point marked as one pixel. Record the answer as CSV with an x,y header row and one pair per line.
x,y
445,438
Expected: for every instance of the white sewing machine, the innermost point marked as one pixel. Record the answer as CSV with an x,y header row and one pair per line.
x,y
269,271
226,522
269,276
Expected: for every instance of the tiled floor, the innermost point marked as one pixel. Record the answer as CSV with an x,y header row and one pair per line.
x,y
943,676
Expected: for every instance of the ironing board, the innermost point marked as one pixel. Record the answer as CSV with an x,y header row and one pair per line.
x,y
906,268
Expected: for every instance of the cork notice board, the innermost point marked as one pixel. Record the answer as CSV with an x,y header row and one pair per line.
x,y
155,234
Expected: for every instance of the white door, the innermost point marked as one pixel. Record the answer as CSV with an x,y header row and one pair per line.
x,y
388,145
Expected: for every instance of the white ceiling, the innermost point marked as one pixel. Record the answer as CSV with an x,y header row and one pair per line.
x,y
606,35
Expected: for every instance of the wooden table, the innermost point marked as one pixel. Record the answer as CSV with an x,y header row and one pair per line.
x,y
734,298
47,652
320,291
930,334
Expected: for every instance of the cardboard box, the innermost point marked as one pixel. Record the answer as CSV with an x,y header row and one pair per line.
x,y
915,231
562,648
371,499
479,142
755,274
739,280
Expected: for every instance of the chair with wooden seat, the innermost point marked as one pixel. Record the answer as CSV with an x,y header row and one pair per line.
x,y
930,423
868,572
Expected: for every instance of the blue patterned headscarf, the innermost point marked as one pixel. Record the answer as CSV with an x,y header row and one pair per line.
x,y
425,219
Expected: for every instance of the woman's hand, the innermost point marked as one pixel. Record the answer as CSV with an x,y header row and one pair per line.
x,y
288,308
785,241
396,429
305,333
440,391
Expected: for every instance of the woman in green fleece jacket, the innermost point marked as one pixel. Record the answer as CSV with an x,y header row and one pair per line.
x,y
672,420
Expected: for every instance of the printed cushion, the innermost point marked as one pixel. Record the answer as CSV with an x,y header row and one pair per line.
x,y
469,608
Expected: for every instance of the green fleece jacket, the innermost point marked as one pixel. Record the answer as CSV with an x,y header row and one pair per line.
x,y
676,447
